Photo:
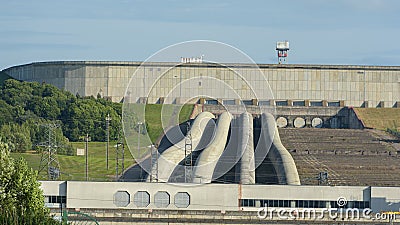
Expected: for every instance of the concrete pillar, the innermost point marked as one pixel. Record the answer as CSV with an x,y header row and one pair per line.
x,y
324,103
220,101
290,121
308,121
272,102
290,102
293,204
237,101
366,104
143,100
341,103
397,104
306,103
254,101
161,100
381,104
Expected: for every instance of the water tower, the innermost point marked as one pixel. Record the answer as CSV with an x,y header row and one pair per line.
x,y
282,47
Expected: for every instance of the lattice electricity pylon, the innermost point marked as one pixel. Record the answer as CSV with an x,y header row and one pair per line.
x,y
119,158
323,178
188,156
49,159
154,164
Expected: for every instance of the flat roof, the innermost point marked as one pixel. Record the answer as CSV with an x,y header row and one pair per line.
x,y
205,64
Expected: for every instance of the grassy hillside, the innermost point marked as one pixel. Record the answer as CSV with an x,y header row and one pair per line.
x,y
73,167
380,118
153,117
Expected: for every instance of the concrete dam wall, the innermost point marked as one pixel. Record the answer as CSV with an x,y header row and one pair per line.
x,y
292,85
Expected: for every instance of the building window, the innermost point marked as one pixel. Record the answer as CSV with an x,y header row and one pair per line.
x,y
161,199
182,200
264,103
211,102
141,199
247,102
300,203
299,103
333,104
228,102
248,202
55,199
319,103
122,198
286,203
281,103
264,203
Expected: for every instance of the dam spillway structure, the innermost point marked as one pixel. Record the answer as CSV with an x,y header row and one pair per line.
x,y
227,148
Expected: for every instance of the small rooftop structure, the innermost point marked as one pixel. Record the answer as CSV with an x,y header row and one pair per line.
x,y
282,47
192,59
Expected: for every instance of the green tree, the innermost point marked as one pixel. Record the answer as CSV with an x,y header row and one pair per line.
x,y
21,199
87,116
6,112
18,136
35,103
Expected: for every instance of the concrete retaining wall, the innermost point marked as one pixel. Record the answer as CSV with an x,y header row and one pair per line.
x,y
367,86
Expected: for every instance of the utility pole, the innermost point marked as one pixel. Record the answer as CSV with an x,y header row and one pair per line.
x,y
123,156
138,147
108,119
86,155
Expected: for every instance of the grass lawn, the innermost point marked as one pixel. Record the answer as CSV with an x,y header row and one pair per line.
x,y
73,167
154,120
380,118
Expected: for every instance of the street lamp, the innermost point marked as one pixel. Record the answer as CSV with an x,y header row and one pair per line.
x,y
108,119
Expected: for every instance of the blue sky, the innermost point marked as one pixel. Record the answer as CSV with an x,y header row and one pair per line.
x,y
320,31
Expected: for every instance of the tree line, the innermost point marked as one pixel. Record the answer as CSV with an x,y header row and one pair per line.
x,y
26,108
